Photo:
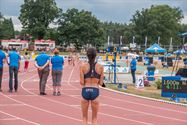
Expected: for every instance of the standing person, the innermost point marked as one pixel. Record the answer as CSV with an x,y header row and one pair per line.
x,y
2,58
91,76
26,58
73,59
69,59
57,67
42,64
133,68
14,65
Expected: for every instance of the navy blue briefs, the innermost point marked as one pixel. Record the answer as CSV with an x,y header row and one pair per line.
x,y
90,93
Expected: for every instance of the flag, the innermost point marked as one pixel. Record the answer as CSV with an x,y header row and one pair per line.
x,y
158,40
121,40
145,41
108,40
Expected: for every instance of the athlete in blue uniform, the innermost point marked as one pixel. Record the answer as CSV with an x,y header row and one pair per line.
x,y
91,76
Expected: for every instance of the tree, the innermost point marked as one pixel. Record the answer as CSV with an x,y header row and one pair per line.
x,y
160,20
36,15
79,28
6,28
115,30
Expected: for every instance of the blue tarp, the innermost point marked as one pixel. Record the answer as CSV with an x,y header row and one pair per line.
x,y
155,48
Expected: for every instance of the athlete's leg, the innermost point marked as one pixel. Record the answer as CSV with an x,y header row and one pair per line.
x,y
95,107
85,105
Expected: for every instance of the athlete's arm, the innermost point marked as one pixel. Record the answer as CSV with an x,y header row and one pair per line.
x,y
46,64
36,65
81,76
102,76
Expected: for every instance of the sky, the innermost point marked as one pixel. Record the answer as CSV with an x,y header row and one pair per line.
x,y
120,11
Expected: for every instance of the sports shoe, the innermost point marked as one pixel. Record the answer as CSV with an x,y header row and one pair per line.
x,y
58,94
43,93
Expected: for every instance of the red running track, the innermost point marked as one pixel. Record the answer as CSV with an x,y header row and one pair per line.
x,y
26,107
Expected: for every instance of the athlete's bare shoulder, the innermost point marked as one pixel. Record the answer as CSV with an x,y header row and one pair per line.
x,y
84,65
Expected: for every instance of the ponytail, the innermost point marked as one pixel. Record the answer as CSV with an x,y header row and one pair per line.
x,y
91,54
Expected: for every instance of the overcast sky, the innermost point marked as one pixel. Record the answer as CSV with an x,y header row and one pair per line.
x,y
106,10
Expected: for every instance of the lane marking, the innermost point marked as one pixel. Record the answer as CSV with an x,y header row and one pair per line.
x,y
146,113
136,103
34,107
9,119
5,105
18,95
20,118
142,97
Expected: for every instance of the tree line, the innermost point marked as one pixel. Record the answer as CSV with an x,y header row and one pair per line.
x,y
81,27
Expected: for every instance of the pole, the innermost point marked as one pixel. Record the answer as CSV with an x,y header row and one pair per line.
x,y
120,46
115,65
133,39
145,42
158,40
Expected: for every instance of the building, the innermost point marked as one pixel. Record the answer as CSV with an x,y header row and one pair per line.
x,y
15,43
44,44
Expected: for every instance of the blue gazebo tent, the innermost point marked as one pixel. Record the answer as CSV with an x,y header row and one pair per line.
x,y
155,48
182,34
182,51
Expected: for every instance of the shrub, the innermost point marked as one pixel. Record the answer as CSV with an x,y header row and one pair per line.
x,y
158,84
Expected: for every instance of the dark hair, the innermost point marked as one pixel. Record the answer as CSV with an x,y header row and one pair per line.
x,y
13,49
56,51
91,54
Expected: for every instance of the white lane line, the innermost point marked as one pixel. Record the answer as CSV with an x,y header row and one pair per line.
x,y
19,95
47,111
5,105
34,107
70,78
141,112
9,119
147,98
146,113
20,118
141,104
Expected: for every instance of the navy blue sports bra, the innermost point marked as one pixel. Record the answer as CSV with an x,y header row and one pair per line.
x,y
92,73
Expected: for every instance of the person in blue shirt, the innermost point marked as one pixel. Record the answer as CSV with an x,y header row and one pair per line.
x,y
14,64
133,68
42,64
2,58
57,67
